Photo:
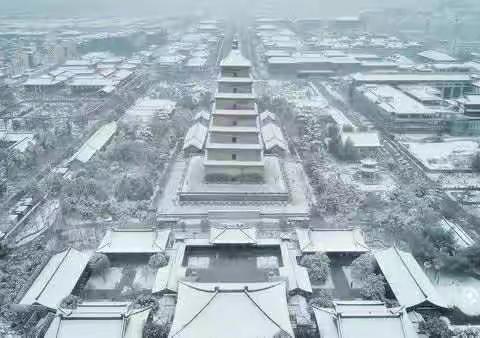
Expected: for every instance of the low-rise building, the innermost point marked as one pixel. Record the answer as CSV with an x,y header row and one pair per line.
x,y
363,319
407,281
99,320
218,310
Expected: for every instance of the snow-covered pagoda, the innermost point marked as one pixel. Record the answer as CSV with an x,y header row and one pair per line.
x,y
234,149
233,166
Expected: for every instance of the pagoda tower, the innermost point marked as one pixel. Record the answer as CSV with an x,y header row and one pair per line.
x,y
234,149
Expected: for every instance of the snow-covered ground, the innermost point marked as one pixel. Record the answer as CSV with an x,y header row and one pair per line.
x,y
461,291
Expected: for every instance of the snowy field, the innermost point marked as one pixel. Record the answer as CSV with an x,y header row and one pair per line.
x,y
447,155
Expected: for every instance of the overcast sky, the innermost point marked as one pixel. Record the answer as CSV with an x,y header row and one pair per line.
x,y
140,7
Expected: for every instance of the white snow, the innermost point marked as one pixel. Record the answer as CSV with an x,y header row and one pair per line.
x,y
461,291
144,278
451,154
198,262
108,281
267,262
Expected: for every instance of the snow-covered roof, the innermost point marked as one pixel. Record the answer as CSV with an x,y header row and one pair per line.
x,y
96,142
471,100
410,77
135,240
362,139
276,53
218,310
235,59
166,279
40,81
268,115
436,56
462,238
407,280
296,275
196,62
363,319
90,82
232,235
99,320
57,279
339,117
395,101
235,96
331,240
196,136
273,137
202,115
421,93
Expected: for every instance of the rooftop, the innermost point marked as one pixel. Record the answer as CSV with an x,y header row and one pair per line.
x,y
273,137
235,59
436,56
217,310
233,129
99,320
407,279
363,319
96,142
395,101
235,96
233,235
196,136
57,279
235,112
410,77
334,240
134,241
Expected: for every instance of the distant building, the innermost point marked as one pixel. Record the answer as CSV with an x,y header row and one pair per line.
x,y
451,85
470,105
432,56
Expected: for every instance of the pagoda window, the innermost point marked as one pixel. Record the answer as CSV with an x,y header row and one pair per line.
x,y
234,157
234,123
234,140
235,89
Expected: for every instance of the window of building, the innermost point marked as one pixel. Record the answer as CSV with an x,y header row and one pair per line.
x,y
234,140
235,74
234,157
235,89
234,123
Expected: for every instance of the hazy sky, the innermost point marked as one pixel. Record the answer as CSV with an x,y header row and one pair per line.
x,y
139,7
